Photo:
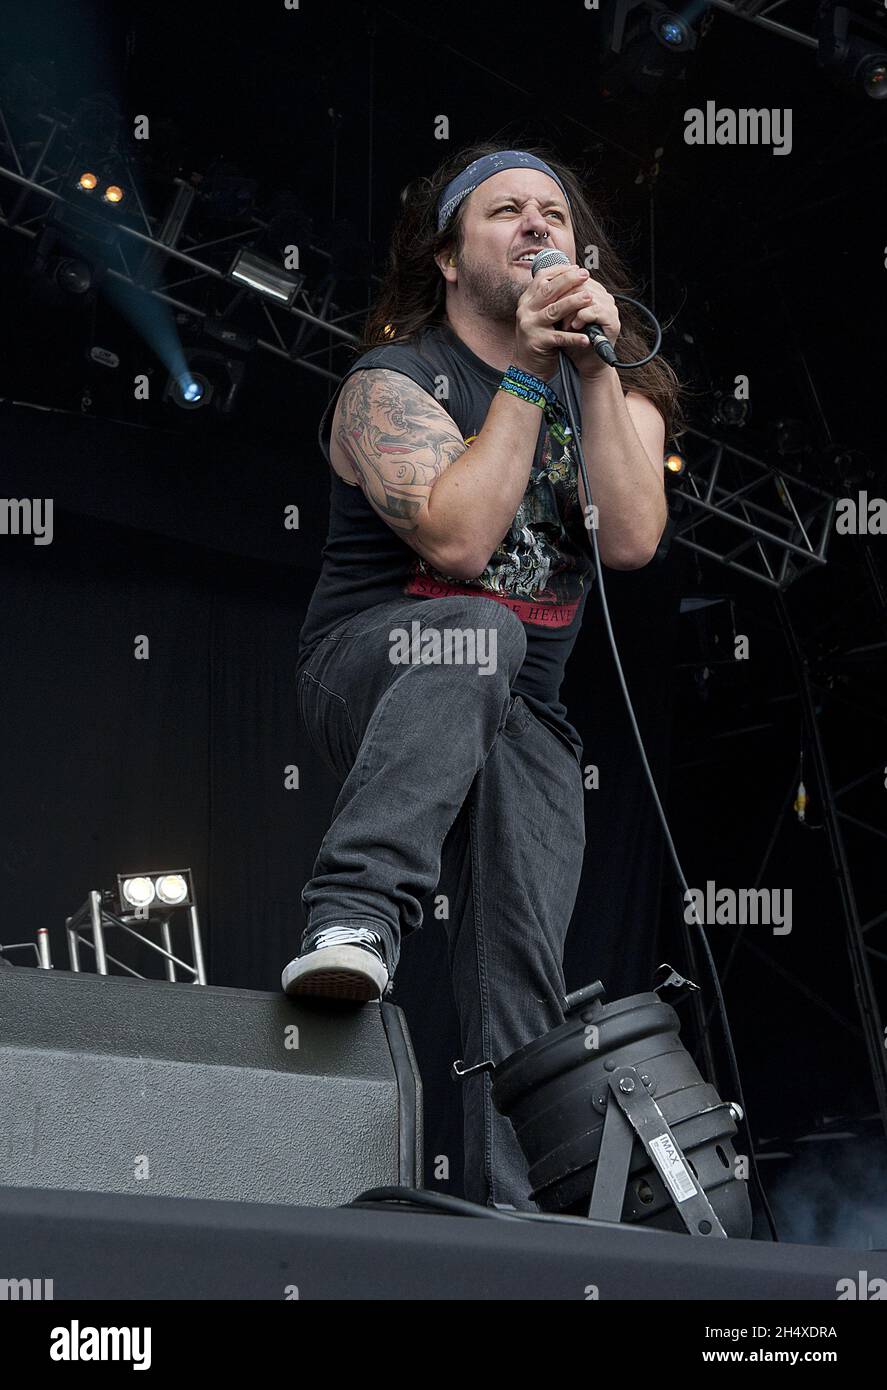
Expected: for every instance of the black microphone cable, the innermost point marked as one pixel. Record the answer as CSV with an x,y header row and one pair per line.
x,y
573,411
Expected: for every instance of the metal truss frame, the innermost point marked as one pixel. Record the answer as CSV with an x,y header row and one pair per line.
x,y
142,257
752,11
93,915
861,947
784,522
865,934
758,12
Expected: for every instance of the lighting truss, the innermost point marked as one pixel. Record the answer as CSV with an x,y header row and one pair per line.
x,y
758,12
865,927
158,257
94,916
865,930
770,526
849,826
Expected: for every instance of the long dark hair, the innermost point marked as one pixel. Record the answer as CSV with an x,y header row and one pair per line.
x,y
412,295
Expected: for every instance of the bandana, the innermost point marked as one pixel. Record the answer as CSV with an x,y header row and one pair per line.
x,y
484,168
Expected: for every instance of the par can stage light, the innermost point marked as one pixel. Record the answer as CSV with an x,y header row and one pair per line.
x,y
617,1123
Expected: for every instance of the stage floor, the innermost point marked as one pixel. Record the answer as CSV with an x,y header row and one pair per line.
x,y
108,1246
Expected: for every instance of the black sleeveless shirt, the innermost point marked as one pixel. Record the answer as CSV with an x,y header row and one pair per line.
x,y
542,569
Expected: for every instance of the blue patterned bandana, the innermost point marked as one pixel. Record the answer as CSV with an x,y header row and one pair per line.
x,y
484,168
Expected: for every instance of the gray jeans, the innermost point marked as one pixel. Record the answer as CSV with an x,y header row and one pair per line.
x,y
449,782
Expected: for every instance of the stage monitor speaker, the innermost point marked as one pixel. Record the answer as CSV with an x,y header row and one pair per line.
x,y
110,1084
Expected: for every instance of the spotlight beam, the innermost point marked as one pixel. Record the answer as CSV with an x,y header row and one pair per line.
x,y
202,314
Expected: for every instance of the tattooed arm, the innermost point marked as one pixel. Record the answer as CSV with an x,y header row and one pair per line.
x,y
397,441
450,503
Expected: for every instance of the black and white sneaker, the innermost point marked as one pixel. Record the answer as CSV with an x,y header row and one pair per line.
x,y
342,962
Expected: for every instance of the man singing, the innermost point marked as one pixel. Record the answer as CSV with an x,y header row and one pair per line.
x,y
454,580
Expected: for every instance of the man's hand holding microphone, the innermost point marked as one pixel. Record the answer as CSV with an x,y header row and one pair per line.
x,y
552,312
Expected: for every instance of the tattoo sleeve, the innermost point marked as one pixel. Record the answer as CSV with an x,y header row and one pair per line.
x,y
398,441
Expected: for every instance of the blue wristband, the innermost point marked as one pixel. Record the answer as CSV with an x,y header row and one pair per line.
x,y
530,383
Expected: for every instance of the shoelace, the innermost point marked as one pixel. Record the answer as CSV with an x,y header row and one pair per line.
x,y
346,936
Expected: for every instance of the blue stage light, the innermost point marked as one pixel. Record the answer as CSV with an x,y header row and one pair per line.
x,y
671,32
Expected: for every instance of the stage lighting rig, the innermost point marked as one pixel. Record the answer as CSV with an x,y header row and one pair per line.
x,y
91,183
747,515
648,44
675,464
84,189
596,1119
216,385
634,19
849,58
97,161
147,899
209,376
850,49
191,391
62,278
265,277
210,379
79,239
673,32
74,276
160,891
729,411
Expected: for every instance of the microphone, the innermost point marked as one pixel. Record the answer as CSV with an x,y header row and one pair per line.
x,y
595,334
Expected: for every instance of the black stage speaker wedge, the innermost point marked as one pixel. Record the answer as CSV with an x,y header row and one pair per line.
x,y
111,1084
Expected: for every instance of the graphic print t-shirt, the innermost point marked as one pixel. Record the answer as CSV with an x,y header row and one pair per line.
x,y
542,569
